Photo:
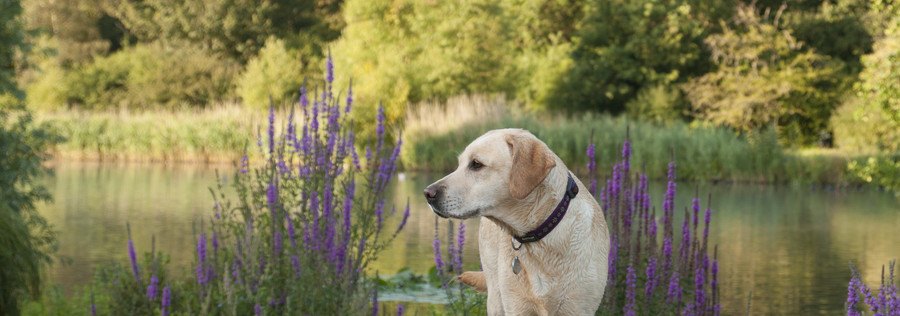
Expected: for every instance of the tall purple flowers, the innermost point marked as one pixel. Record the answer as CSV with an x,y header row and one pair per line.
x,y
166,301
670,282
132,256
885,302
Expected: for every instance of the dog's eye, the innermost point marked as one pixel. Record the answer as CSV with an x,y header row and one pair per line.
x,y
475,165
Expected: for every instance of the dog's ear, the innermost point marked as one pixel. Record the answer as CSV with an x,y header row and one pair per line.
x,y
531,163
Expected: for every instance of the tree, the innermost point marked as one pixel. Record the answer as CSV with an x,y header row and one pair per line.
x,y
766,77
624,46
26,239
236,28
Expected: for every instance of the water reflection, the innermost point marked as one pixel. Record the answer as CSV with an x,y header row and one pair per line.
x,y
790,246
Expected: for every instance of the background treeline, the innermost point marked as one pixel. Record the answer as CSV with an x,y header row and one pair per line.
x,y
818,73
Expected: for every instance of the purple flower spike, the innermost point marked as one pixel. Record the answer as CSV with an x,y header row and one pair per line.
x,y
673,296
257,310
852,297
685,238
329,69
271,129
436,245
460,242
201,260
400,310
651,277
630,285
166,300
406,218
135,269
349,97
152,289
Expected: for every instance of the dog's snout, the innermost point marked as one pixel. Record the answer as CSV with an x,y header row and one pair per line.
x,y
431,193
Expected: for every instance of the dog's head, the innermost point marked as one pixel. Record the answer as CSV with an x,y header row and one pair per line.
x,y
500,167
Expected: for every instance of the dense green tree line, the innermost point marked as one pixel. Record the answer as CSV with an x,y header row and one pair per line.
x,y
796,67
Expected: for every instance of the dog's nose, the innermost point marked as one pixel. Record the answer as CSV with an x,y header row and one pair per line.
x,y
431,193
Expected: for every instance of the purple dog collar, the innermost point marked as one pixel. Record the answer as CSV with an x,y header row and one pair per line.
x,y
550,223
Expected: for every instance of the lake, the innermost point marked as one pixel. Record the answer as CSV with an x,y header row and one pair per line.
x,y
782,249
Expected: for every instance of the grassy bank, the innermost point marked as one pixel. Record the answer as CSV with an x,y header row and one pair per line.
x,y
436,134
215,135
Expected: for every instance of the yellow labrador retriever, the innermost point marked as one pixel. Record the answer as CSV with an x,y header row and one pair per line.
x,y
543,245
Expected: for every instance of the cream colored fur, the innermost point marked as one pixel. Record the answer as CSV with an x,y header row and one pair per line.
x,y
520,184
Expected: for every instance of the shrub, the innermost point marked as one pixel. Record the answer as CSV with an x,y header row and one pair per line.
x,y
275,73
297,236
151,75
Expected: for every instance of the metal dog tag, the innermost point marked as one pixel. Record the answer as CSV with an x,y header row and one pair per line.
x,y
516,266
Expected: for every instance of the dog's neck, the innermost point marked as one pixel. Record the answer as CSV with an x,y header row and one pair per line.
x,y
538,205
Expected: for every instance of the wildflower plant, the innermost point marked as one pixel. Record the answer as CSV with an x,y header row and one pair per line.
x,y
647,274
883,302
293,229
462,300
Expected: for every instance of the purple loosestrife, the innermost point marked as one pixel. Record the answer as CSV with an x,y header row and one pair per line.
x,y
271,130
292,233
460,242
405,217
400,310
314,230
245,164
630,285
379,215
651,277
295,265
436,246
201,260
132,256
166,301
853,297
673,295
626,156
257,310
706,219
153,288
592,168
667,253
685,238
699,287
349,98
329,69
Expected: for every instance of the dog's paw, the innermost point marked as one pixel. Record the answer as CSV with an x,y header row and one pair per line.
x,y
475,279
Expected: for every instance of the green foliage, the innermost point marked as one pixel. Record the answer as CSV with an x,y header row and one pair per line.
x,y
275,73
81,28
26,239
835,30
10,41
148,77
766,78
881,171
236,28
624,46
871,121
658,104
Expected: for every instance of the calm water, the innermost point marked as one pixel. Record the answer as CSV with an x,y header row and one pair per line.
x,y
789,246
